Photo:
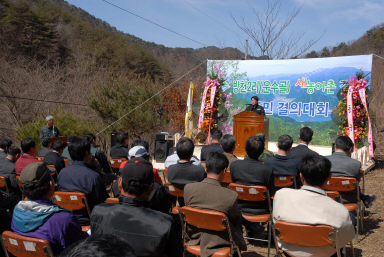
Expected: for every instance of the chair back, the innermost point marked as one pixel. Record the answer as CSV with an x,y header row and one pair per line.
x,y
73,201
285,181
19,183
250,193
115,163
333,194
204,219
112,200
172,190
23,246
40,158
66,162
3,183
341,184
304,235
227,177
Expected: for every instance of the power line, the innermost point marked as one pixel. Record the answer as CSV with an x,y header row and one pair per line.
x,y
41,100
154,23
159,92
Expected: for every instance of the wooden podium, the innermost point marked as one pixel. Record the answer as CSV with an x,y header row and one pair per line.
x,y
245,125
54,139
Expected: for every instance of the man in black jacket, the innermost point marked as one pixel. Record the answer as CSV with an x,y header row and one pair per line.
x,y
54,157
214,144
149,232
7,168
301,151
280,163
120,149
252,172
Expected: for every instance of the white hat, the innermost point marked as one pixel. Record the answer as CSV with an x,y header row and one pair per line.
x,y
49,117
137,151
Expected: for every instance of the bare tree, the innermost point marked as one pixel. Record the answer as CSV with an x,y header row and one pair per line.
x,y
269,36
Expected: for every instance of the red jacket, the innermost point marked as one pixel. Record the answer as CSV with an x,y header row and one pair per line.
x,y
23,161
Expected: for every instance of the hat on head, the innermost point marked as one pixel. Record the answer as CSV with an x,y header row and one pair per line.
x,y
137,151
34,173
139,170
49,117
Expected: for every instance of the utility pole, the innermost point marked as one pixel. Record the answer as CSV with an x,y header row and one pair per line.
x,y
246,49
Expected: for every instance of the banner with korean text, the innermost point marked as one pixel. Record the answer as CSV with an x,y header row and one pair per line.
x,y
294,93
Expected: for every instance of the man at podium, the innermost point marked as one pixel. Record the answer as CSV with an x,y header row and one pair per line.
x,y
255,107
49,130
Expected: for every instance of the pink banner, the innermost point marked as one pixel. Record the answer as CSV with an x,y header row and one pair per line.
x,y
370,137
202,108
350,115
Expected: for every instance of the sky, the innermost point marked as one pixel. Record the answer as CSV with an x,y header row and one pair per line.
x,y
210,22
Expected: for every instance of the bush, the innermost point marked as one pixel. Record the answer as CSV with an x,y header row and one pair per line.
x,y
67,123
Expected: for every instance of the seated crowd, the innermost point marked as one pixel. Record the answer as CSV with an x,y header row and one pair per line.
x,y
142,221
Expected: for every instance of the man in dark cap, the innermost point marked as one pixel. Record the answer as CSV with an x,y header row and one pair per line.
x,y
149,232
255,107
40,218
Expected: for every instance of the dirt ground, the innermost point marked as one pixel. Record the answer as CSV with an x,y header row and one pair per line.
x,y
371,243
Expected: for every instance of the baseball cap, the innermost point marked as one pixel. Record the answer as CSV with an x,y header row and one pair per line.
x,y
139,170
137,151
35,174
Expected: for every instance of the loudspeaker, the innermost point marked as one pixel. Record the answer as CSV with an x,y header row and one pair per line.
x,y
163,147
114,135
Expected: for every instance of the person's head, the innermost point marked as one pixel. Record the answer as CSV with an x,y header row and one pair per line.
x,y
306,134
255,100
254,147
122,138
228,143
50,121
45,141
140,142
138,151
80,149
285,143
13,153
37,182
344,143
314,170
137,178
261,136
5,143
185,148
215,165
215,136
28,145
104,245
91,138
59,146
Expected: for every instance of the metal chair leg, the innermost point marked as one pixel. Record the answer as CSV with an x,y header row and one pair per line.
x,y
352,249
269,236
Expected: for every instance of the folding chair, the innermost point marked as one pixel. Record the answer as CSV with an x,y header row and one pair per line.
x,y
285,181
23,246
112,200
3,183
74,201
207,220
66,162
306,235
177,192
40,158
227,177
165,175
19,183
256,194
334,195
115,163
348,184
